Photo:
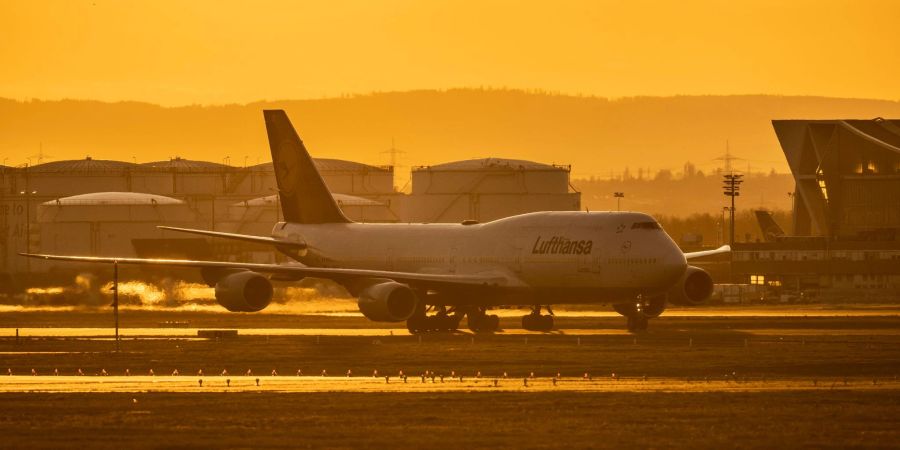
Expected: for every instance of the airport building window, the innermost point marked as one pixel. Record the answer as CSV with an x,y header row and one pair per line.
x,y
757,279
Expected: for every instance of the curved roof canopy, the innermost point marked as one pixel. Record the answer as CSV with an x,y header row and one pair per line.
x,y
492,164
180,163
87,164
341,199
114,198
328,164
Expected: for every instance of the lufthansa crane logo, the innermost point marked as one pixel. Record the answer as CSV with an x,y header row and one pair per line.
x,y
287,167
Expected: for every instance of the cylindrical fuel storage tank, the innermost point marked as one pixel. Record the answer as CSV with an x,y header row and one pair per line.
x,y
487,189
257,216
347,177
111,224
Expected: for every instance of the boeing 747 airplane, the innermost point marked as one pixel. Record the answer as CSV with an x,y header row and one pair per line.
x,y
433,275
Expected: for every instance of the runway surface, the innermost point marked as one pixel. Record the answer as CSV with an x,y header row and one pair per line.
x,y
189,384
191,333
349,309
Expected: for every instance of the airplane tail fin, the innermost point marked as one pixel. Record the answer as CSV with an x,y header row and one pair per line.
x,y
770,229
301,189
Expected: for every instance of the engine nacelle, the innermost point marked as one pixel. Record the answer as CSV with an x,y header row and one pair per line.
x,y
694,288
244,291
388,301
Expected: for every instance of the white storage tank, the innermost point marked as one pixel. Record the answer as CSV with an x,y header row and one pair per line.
x,y
108,223
487,189
72,177
258,216
346,177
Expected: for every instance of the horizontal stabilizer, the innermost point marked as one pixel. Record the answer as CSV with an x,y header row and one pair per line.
x,y
237,237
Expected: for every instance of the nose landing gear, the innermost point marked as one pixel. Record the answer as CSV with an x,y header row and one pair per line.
x,y
636,323
537,322
639,312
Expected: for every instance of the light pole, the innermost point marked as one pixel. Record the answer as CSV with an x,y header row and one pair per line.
x,y
27,194
116,299
619,196
732,189
725,209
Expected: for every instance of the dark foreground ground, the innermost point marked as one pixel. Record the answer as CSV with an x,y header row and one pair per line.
x,y
863,349
674,347
832,419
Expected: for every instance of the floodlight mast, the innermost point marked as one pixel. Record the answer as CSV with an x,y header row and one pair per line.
x,y
732,188
116,300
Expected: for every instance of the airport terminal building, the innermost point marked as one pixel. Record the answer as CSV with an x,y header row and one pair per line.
x,y
846,210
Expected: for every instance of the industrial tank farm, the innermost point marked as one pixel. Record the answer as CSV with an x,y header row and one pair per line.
x,y
103,207
489,189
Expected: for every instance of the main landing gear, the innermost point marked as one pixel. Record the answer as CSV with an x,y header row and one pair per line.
x,y
482,322
537,322
448,319
639,312
443,320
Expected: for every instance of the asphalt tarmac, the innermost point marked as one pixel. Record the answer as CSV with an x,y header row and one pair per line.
x,y
191,333
296,384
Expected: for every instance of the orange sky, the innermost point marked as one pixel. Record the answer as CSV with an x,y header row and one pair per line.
x,y
174,52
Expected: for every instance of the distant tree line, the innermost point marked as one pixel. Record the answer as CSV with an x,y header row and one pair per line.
x,y
687,193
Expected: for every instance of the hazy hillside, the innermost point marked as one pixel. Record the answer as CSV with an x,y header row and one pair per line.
x,y
597,136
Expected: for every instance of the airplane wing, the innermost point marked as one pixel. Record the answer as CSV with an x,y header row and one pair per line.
x,y
239,237
722,249
296,271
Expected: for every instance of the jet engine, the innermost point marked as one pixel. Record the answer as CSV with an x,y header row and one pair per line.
x,y
244,291
387,301
694,288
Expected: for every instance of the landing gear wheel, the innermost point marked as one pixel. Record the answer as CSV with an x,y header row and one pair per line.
x,y
417,324
445,322
479,321
547,323
420,322
537,322
639,312
637,323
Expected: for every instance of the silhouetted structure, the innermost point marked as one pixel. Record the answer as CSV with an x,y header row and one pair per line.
x,y
846,217
847,175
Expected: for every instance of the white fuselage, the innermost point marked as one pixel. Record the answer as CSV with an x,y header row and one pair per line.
x,y
551,257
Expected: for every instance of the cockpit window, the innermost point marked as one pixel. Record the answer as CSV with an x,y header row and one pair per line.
x,y
645,226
